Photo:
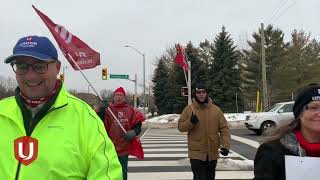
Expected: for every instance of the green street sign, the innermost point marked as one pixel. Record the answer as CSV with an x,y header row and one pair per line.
x,y
119,76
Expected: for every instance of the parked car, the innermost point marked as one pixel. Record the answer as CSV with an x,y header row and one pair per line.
x,y
277,115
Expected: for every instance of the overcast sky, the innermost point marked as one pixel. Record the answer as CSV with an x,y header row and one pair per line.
x,y
151,26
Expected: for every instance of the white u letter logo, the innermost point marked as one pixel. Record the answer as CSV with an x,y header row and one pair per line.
x,y
64,34
20,150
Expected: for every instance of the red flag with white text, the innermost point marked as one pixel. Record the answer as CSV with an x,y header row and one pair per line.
x,y
71,46
180,57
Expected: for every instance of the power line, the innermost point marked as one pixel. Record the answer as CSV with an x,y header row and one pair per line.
x,y
285,10
276,11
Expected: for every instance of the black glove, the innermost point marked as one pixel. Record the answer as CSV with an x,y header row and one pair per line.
x,y
129,135
194,119
224,151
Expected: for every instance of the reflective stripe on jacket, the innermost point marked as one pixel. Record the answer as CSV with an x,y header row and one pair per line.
x,y
72,143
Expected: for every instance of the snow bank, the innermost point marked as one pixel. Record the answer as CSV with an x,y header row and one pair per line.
x,y
231,164
235,120
227,164
167,118
235,116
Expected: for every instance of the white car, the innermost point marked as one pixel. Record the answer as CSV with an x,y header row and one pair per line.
x,y
279,114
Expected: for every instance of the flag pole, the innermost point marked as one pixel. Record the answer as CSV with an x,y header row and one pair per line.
x,y
84,76
189,82
97,93
185,77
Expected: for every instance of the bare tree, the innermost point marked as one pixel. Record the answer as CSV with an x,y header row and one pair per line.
x,y
7,87
106,94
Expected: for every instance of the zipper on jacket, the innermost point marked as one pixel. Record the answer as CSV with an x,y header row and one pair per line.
x,y
30,125
18,171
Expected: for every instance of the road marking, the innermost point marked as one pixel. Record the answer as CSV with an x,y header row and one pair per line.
x,y
153,163
166,155
167,159
145,132
167,149
250,142
189,175
151,141
167,145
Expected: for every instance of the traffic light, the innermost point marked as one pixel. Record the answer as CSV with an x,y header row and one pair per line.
x,y
184,91
104,74
61,77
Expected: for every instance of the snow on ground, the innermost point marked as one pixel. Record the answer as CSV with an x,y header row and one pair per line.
x,y
235,116
167,118
227,164
234,119
231,164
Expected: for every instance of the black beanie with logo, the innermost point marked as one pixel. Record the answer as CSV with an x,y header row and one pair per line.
x,y
308,94
204,87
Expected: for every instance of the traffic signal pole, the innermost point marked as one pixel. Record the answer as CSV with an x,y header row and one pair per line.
x,y
135,90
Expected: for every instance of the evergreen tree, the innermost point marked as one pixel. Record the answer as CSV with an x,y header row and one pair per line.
x,y
160,88
300,68
224,84
176,82
251,73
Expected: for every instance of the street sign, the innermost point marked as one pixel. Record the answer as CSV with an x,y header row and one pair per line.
x,y
119,76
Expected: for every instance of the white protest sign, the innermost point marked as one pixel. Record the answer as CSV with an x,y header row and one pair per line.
x,y
298,168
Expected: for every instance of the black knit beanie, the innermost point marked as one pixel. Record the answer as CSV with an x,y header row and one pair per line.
x,y
310,93
201,86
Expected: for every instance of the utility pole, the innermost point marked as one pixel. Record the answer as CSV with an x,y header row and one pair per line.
x,y
144,76
237,102
264,71
135,91
144,83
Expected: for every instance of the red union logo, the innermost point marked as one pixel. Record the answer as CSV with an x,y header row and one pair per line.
x,y
64,33
26,149
120,114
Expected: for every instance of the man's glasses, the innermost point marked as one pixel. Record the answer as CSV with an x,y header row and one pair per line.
x,y
23,68
201,91
312,108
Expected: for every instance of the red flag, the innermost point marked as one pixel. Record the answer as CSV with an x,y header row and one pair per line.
x,y
71,46
136,148
180,57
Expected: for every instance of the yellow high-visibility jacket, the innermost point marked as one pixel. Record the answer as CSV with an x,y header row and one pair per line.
x,y
72,142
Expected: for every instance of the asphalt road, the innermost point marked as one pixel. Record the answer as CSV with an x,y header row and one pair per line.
x,y
243,149
166,156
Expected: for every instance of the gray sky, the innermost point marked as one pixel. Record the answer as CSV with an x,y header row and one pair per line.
x,y
150,26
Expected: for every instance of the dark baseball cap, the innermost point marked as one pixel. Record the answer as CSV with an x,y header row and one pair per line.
x,y
34,46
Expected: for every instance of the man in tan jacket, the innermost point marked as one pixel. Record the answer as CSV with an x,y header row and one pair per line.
x,y
207,132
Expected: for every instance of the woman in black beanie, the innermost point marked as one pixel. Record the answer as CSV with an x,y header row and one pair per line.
x,y
299,138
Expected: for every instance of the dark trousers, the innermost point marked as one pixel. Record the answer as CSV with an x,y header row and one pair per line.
x,y
203,170
124,164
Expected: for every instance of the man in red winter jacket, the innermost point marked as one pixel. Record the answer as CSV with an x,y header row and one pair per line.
x,y
130,119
